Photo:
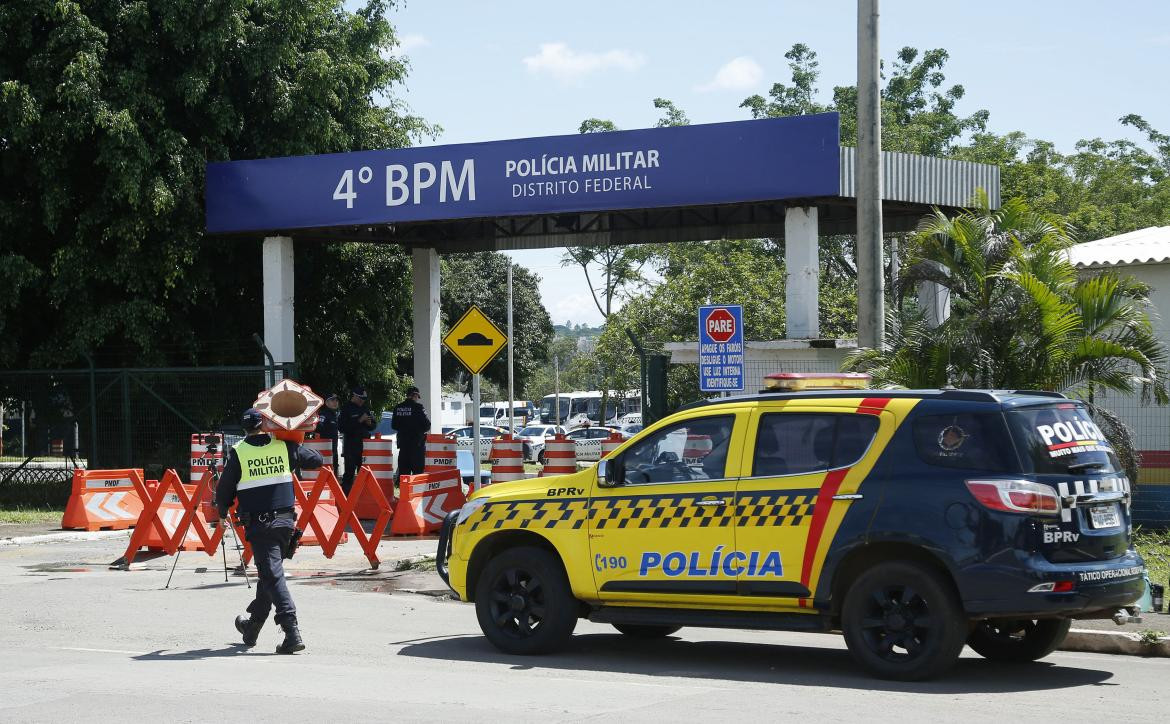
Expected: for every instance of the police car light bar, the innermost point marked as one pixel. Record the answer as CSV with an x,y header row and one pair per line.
x,y
796,381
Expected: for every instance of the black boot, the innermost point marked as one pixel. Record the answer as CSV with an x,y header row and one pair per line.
x,y
249,628
292,638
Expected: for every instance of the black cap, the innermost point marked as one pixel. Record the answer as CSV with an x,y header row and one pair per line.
x,y
251,419
412,391
359,392
332,396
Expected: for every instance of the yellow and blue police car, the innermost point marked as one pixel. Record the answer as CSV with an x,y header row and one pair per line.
x,y
911,521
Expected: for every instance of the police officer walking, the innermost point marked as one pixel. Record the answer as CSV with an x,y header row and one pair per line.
x,y
411,423
259,473
355,421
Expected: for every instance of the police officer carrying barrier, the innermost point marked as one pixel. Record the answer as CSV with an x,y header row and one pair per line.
x,y
411,423
259,472
355,421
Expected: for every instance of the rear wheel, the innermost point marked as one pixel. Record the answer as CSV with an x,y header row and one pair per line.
x,y
1018,639
540,457
902,621
641,631
524,603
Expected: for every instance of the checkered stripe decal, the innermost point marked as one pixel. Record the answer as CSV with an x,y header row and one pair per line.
x,y
774,508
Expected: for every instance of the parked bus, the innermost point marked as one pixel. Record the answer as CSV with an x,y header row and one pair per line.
x,y
577,407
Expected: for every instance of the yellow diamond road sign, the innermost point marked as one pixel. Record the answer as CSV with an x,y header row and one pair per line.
x,y
474,340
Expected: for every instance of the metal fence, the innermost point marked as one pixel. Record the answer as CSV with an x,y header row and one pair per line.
x,y
53,421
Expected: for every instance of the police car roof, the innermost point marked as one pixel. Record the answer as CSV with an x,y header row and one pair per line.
x,y
1006,398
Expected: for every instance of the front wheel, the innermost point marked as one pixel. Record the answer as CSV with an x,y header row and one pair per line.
x,y
902,621
643,631
540,458
1018,639
524,603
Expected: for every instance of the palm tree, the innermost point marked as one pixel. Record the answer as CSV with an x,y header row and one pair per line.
x,y
1022,317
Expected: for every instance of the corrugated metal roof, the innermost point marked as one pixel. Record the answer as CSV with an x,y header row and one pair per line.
x,y
1144,246
925,179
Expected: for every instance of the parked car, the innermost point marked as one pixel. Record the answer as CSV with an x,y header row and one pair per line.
x,y
465,438
535,435
588,440
466,464
630,430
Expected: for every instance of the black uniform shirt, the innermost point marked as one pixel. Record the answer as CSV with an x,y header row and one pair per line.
x,y
327,425
350,424
265,497
410,420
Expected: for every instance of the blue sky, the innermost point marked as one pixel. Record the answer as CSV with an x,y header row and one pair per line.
x,y
485,70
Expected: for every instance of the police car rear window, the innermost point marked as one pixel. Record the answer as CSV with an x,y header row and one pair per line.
x,y
1061,439
973,441
791,443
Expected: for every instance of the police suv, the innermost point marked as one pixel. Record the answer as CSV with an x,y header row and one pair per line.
x,y
911,521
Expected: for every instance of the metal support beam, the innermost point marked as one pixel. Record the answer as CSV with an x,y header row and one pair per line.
x,y
427,340
278,299
802,287
871,308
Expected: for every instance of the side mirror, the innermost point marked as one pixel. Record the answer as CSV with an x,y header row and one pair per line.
x,y
609,473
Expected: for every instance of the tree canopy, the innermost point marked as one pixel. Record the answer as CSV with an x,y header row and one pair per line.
x,y
109,112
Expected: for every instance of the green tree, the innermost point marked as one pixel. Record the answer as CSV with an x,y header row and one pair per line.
x,y
109,113
482,278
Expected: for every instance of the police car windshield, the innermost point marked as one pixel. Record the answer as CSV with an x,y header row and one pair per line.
x,y
1061,439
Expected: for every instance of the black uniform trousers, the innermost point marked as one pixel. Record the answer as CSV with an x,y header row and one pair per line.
x,y
269,539
411,455
351,452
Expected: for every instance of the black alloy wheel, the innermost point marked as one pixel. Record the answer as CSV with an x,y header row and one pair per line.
x,y
1018,640
901,621
524,603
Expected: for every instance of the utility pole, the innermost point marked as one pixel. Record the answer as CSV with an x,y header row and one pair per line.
x,y
511,346
871,306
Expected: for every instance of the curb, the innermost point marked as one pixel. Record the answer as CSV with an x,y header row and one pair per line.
x,y
1105,642
80,535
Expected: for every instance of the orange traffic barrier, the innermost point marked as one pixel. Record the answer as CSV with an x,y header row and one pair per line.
x,y
171,520
103,499
326,486
425,500
696,448
201,462
324,446
611,443
440,453
507,460
560,456
378,456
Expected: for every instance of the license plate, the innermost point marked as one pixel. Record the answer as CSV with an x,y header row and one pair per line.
x,y
1104,516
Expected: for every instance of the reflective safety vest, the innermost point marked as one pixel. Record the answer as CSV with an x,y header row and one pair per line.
x,y
260,466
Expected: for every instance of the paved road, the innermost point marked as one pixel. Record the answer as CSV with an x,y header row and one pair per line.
x,y
84,642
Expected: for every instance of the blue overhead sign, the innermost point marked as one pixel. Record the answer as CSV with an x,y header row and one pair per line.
x,y
718,163
721,348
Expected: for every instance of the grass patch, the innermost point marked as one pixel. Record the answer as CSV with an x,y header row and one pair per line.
x,y
30,516
1154,547
422,564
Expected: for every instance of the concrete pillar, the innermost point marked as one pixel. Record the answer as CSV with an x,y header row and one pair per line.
x,y
802,288
935,300
427,338
278,299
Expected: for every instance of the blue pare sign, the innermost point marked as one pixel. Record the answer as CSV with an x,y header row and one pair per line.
x,y
721,348
719,163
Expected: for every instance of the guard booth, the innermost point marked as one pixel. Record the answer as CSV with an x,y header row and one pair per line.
x,y
782,178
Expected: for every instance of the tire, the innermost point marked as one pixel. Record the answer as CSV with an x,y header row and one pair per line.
x,y
524,603
640,631
540,458
1018,639
902,621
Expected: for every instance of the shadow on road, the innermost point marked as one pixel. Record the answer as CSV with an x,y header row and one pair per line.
x,y
764,663
194,654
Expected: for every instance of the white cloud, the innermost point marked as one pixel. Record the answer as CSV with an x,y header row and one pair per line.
x,y
737,74
407,43
565,64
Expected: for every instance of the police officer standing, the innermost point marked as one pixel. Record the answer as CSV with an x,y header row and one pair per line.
x,y
259,473
355,421
327,424
411,423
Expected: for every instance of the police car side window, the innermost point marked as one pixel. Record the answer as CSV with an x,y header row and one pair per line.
x,y
793,443
693,450
971,441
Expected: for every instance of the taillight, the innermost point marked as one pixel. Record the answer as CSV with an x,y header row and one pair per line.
x,y
1016,496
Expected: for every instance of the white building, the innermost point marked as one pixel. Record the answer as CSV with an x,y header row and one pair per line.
x,y
1144,255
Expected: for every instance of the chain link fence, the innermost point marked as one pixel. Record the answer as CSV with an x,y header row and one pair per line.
x,y
54,421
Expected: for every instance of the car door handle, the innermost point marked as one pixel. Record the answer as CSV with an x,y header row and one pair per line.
x,y
721,501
